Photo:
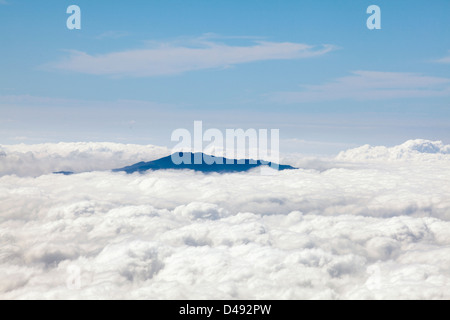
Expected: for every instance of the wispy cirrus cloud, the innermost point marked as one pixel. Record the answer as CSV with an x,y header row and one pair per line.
x,y
369,85
444,59
176,58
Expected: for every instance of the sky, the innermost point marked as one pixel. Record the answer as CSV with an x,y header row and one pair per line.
x,y
138,70
364,114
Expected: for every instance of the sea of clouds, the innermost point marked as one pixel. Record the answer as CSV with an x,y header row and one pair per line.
x,y
370,223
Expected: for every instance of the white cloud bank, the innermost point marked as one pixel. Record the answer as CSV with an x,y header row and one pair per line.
x,y
39,159
369,85
169,58
369,227
419,150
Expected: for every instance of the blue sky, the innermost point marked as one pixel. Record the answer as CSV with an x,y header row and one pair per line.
x,y
137,70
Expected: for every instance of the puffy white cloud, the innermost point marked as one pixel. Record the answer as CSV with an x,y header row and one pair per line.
x,y
444,60
355,229
411,150
35,160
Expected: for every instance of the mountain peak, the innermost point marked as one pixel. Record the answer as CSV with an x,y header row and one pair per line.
x,y
200,162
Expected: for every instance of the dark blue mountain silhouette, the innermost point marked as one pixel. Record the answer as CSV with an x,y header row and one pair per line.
x,y
66,173
200,162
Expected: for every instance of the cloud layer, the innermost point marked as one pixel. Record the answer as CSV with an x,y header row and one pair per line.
x,y
360,229
370,85
39,159
419,150
169,58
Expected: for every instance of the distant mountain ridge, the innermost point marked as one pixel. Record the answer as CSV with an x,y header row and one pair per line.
x,y
209,164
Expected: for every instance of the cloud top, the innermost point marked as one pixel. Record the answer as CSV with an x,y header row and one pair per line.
x,y
39,159
371,230
444,59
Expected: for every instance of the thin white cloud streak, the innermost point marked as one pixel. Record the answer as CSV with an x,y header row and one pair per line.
x,y
444,60
170,59
369,85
